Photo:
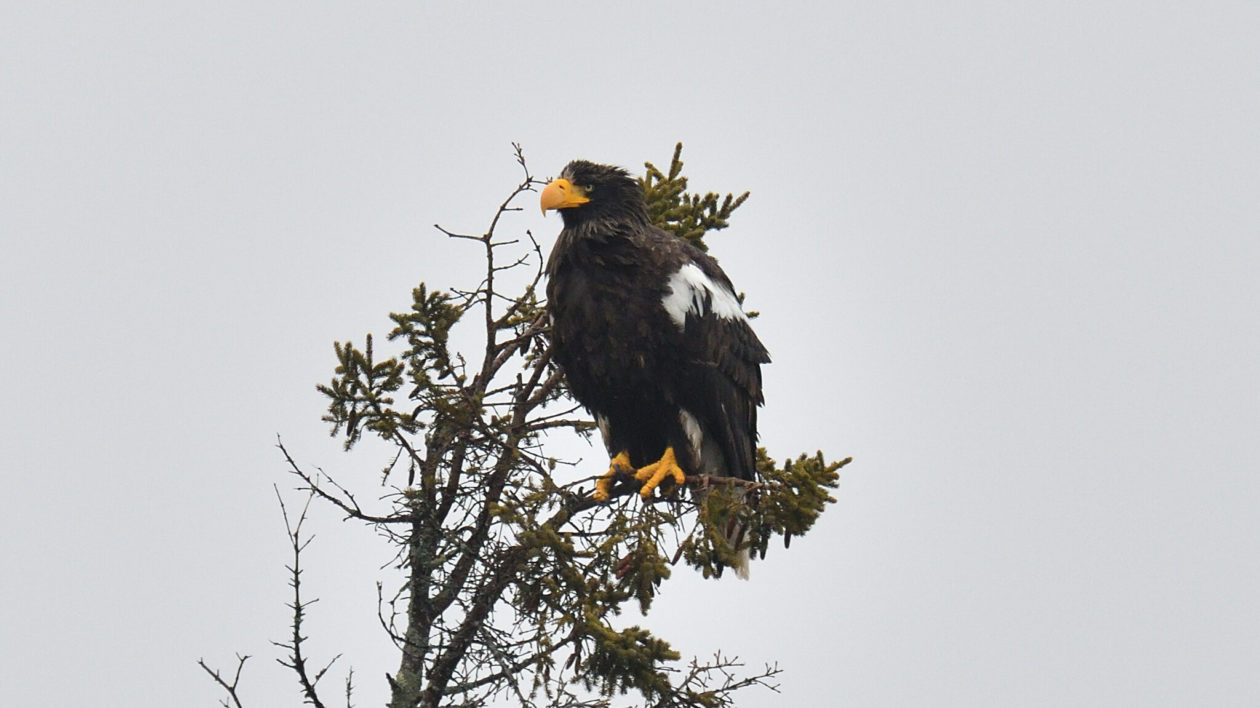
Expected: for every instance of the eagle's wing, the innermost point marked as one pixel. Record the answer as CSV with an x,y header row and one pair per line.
x,y
720,384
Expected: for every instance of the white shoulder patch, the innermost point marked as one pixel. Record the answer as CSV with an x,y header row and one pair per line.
x,y
690,290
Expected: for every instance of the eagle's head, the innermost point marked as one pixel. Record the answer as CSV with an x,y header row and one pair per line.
x,y
587,191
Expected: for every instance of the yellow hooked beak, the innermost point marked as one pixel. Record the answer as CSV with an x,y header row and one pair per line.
x,y
562,194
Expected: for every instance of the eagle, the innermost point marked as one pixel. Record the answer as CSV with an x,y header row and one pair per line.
x,y
651,338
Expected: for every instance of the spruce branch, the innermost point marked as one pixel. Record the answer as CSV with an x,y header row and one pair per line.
x,y
689,216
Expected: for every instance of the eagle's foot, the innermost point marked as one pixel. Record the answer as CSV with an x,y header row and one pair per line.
x,y
619,465
652,475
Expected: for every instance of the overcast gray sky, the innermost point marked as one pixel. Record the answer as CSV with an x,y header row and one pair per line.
x,y
1006,256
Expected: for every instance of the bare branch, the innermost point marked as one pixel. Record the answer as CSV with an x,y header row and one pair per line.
x,y
296,660
231,687
349,505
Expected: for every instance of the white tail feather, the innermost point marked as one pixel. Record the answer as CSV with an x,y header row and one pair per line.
x,y
741,564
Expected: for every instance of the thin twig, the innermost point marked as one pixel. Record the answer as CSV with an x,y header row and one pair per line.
x,y
296,659
352,508
229,687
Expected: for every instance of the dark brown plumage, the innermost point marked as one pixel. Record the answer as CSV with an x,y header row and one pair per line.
x,y
649,333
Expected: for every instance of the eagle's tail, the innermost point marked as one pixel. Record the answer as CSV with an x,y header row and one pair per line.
x,y
735,529
725,507
727,518
741,564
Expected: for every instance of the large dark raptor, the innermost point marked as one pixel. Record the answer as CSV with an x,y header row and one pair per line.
x,y
651,337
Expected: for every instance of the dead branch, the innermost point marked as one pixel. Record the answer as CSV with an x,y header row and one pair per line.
x,y
229,687
296,659
350,507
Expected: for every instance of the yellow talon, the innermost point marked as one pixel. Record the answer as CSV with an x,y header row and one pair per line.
x,y
619,465
652,475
